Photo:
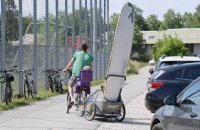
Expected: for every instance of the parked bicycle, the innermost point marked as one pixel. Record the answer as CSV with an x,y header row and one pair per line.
x,y
54,80
29,87
6,79
58,81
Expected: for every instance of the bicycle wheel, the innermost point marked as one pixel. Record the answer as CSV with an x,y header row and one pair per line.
x,y
90,110
61,87
80,105
26,92
33,89
8,94
122,114
50,84
68,102
30,89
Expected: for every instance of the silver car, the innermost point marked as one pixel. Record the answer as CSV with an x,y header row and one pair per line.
x,y
180,112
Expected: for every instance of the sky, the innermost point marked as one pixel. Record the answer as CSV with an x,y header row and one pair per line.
x,y
158,7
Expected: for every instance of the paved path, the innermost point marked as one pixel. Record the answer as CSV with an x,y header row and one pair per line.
x,y
50,114
137,117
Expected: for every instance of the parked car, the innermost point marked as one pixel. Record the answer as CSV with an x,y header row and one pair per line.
x,y
174,60
180,112
169,80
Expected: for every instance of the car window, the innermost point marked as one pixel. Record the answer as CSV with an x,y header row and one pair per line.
x,y
171,75
194,88
187,74
193,99
156,74
195,72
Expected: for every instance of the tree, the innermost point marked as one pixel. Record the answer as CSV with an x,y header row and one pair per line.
x,y
139,19
169,46
138,42
172,19
153,22
197,17
11,14
27,20
114,20
188,20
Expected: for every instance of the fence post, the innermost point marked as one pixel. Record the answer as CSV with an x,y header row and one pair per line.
x,y
35,65
66,35
80,22
108,34
91,29
100,46
86,22
47,44
73,27
3,42
20,50
95,39
104,31
57,35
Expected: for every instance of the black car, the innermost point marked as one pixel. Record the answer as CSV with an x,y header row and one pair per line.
x,y
180,112
167,81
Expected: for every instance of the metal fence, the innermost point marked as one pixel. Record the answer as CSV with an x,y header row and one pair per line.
x,y
47,36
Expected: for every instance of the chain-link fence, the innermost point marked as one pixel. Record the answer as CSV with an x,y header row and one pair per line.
x,y
44,34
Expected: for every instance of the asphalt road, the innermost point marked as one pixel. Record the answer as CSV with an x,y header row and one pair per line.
x,y
51,114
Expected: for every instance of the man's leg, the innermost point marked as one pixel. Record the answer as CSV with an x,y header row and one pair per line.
x,y
72,83
70,89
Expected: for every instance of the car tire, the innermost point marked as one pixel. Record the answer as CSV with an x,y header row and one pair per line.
x,y
157,127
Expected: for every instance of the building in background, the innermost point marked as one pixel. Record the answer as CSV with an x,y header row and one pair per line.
x,y
189,36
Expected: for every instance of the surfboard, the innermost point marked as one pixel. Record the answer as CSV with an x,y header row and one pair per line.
x,y
120,53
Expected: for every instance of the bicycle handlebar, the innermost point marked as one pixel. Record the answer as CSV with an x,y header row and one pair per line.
x,y
48,70
13,68
27,70
69,73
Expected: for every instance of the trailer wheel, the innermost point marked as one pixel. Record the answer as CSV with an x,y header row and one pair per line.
x,y
122,114
90,110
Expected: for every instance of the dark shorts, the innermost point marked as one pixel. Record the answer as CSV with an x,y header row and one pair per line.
x,y
72,81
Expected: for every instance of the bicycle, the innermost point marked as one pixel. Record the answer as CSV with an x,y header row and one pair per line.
x,y
82,91
7,79
50,78
54,80
57,81
29,87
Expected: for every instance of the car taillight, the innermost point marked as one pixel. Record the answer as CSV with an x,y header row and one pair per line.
x,y
154,85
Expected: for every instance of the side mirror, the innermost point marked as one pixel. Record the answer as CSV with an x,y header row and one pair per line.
x,y
151,71
171,100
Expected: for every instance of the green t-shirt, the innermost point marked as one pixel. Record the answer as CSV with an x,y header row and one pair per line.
x,y
80,59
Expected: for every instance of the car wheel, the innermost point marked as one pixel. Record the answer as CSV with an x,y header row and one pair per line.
x,y
157,127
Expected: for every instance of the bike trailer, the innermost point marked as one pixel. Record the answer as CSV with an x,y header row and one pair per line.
x,y
108,103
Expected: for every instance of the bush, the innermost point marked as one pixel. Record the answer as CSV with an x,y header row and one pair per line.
x,y
169,46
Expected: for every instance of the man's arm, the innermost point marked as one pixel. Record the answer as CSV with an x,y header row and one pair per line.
x,y
69,65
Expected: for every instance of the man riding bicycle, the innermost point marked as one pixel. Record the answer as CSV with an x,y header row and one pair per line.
x,y
79,60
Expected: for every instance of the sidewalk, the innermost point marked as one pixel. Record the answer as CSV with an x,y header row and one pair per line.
x,y
137,117
51,113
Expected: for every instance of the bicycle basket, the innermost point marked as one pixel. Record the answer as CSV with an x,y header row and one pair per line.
x,y
10,78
